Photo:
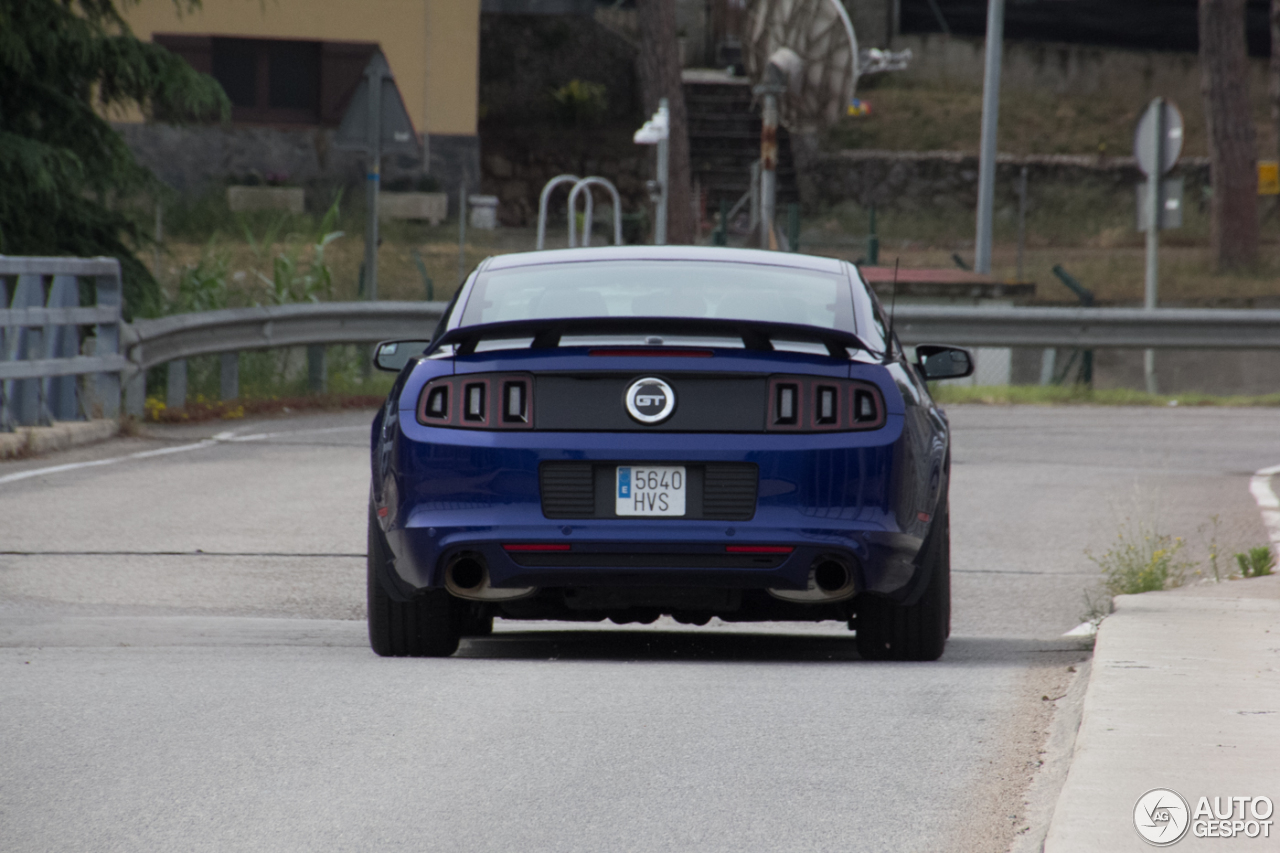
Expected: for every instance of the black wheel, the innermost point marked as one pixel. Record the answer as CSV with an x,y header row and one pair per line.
x,y
890,631
428,625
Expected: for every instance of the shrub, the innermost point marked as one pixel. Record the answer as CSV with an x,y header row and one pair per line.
x,y
1141,560
1256,562
580,103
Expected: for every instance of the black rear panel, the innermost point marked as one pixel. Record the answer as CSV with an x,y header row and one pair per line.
x,y
722,491
709,403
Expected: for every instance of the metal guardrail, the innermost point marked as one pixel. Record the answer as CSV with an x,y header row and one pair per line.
x,y
41,342
39,354
1121,328
182,336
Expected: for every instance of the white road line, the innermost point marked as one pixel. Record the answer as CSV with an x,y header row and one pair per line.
x,y
263,436
1268,503
229,436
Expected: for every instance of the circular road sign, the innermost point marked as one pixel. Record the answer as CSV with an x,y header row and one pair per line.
x,y
1144,137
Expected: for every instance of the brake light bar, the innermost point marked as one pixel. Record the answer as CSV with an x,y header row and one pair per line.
x,y
661,351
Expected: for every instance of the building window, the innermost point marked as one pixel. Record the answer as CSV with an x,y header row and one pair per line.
x,y
277,81
269,81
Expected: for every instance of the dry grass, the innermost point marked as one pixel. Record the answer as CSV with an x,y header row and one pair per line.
x,y
914,116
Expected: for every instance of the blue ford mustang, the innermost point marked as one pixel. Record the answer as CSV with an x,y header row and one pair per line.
x,y
622,433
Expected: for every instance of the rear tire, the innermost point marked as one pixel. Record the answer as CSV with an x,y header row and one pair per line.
x,y
891,631
427,625
476,623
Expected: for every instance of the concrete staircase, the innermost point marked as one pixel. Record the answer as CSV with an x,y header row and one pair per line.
x,y
724,138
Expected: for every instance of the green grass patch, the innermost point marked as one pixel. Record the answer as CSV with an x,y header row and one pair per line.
x,y
1059,395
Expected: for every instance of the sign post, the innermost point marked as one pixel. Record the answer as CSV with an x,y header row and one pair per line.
x,y
1157,142
376,122
657,131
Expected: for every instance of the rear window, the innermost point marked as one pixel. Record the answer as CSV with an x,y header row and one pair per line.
x,y
693,289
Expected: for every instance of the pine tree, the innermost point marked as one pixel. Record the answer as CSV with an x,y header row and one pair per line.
x,y
65,65
1224,67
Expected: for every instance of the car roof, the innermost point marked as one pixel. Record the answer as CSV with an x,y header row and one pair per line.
x,y
664,253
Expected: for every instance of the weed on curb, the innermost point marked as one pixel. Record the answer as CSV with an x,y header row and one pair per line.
x,y
1257,562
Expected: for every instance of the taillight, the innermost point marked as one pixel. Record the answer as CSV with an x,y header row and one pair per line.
x,y
811,404
477,401
475,398
786,404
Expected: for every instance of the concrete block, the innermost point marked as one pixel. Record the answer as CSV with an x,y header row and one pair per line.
x,y
484,211
432,207
32,441
290,199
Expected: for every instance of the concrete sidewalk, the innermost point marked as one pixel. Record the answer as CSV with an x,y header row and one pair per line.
x,y
1184,694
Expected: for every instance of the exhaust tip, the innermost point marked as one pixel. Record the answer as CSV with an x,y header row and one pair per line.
x,y
830,575
467,573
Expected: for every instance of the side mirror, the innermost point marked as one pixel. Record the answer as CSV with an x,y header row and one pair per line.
x,y
394,355
939,362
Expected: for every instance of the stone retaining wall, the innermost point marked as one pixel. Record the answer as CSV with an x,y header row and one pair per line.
x,y
915,180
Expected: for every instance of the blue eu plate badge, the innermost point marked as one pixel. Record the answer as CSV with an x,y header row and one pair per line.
x,y
624,483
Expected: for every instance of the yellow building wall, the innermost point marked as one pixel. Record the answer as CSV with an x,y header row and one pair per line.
x,y
433,46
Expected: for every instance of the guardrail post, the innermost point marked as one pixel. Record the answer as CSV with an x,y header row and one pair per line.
x,y
108,293
59,392
317,369
175,394
135,394
26,344
1048,360
229,375
6,419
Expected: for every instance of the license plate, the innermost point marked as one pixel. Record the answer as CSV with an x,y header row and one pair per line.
x,y
650,490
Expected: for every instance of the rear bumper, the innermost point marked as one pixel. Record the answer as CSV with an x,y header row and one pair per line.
x,y
689,555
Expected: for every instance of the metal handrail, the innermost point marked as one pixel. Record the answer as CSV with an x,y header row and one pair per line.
x,y
586,184
542,205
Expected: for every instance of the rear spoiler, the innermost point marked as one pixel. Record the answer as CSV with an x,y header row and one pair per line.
x,y
546,334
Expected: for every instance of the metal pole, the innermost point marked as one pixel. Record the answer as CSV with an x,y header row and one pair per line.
x,y
768,169
990,123
1022,219
873,239
159,239
462,231
1151,291
664,167
372,180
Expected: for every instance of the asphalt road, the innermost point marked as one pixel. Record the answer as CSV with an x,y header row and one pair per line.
x,y
183,663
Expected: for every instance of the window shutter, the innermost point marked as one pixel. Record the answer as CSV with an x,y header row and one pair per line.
x,y
341,65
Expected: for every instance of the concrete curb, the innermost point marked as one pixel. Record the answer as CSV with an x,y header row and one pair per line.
x,y
1042,794
1184,694
33,441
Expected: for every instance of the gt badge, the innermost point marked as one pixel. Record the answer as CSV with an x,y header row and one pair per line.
x,y
650,400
